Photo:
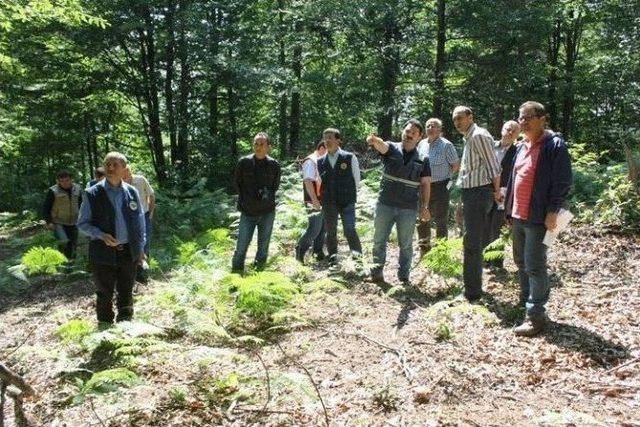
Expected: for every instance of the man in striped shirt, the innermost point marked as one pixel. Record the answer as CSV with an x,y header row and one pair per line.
x,y
538,188
479,180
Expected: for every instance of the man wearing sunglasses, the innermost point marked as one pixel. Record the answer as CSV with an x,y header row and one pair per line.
x,y
538,188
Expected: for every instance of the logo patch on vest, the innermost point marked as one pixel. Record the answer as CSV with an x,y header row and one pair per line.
x,y
343,166
133,205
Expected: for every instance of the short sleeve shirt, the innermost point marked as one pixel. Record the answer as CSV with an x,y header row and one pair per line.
x,y
144,189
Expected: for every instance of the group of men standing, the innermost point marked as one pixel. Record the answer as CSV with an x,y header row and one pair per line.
x,y
115,212
524,185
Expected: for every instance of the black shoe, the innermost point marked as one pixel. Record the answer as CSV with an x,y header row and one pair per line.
x,y
320,255
376,275
299,255
333,260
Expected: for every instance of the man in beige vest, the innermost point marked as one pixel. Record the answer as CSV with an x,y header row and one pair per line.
x,y
60,212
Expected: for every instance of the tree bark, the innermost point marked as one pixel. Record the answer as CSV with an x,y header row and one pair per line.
x,y
168,83
438,85
573,35
553,52
185,90
150,95
389,65
283,125
294,135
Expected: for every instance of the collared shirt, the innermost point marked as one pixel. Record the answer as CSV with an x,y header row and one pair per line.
x,y
524,173
479,165
116,197
355,166
442,155
310,169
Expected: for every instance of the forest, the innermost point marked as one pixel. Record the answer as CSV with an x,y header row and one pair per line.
x,y
182,86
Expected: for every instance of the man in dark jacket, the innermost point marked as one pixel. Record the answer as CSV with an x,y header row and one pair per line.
x,y
340,174
111,215
537,190
60,212
257,178
406,183
505,151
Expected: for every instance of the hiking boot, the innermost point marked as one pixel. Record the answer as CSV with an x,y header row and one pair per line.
x,y
531,327
319,255
299,255
333,260
424,250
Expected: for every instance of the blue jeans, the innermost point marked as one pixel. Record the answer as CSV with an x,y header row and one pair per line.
x,y
348,215
476,204
248,224
405,221
530,255
314,234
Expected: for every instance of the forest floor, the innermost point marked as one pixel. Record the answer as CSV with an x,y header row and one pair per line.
x,y
350,353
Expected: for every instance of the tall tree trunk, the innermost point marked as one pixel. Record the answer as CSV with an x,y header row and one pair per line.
x,y
573,36
553,51
168,83
438,85
233,129
212,94
283,124
294,136
150,97
185,90
389,63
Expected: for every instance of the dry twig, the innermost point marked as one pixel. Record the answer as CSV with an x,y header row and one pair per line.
x,y
306,371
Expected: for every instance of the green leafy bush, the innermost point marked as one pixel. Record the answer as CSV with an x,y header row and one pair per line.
x,y
445,258
619,205
38,260
104,382
261,294
74,330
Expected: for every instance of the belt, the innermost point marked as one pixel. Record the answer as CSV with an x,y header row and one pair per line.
x,y
401,180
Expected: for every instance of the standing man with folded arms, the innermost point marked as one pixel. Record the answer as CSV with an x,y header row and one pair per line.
x,y
479,181
111,215
444,163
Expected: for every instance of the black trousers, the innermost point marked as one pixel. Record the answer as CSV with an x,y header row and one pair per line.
x,y
118,278
67,236
439,208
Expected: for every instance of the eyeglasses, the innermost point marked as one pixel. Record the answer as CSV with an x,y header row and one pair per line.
x,y
527,118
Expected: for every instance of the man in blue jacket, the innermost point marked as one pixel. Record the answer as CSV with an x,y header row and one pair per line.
x,y
538,189
111,215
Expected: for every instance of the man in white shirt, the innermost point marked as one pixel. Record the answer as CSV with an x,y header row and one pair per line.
x,y
311,189
148,204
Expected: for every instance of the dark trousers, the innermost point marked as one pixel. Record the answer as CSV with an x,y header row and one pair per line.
x,y
67,236
315,233
439,209
495,221
348,215
119,277
476,204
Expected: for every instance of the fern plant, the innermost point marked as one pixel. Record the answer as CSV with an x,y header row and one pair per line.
x,y
445,258
261,294
40,260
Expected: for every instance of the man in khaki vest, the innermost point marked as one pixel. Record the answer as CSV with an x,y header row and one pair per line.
x,y
60,212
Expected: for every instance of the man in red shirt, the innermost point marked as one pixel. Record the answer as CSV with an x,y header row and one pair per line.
x,y
538,188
